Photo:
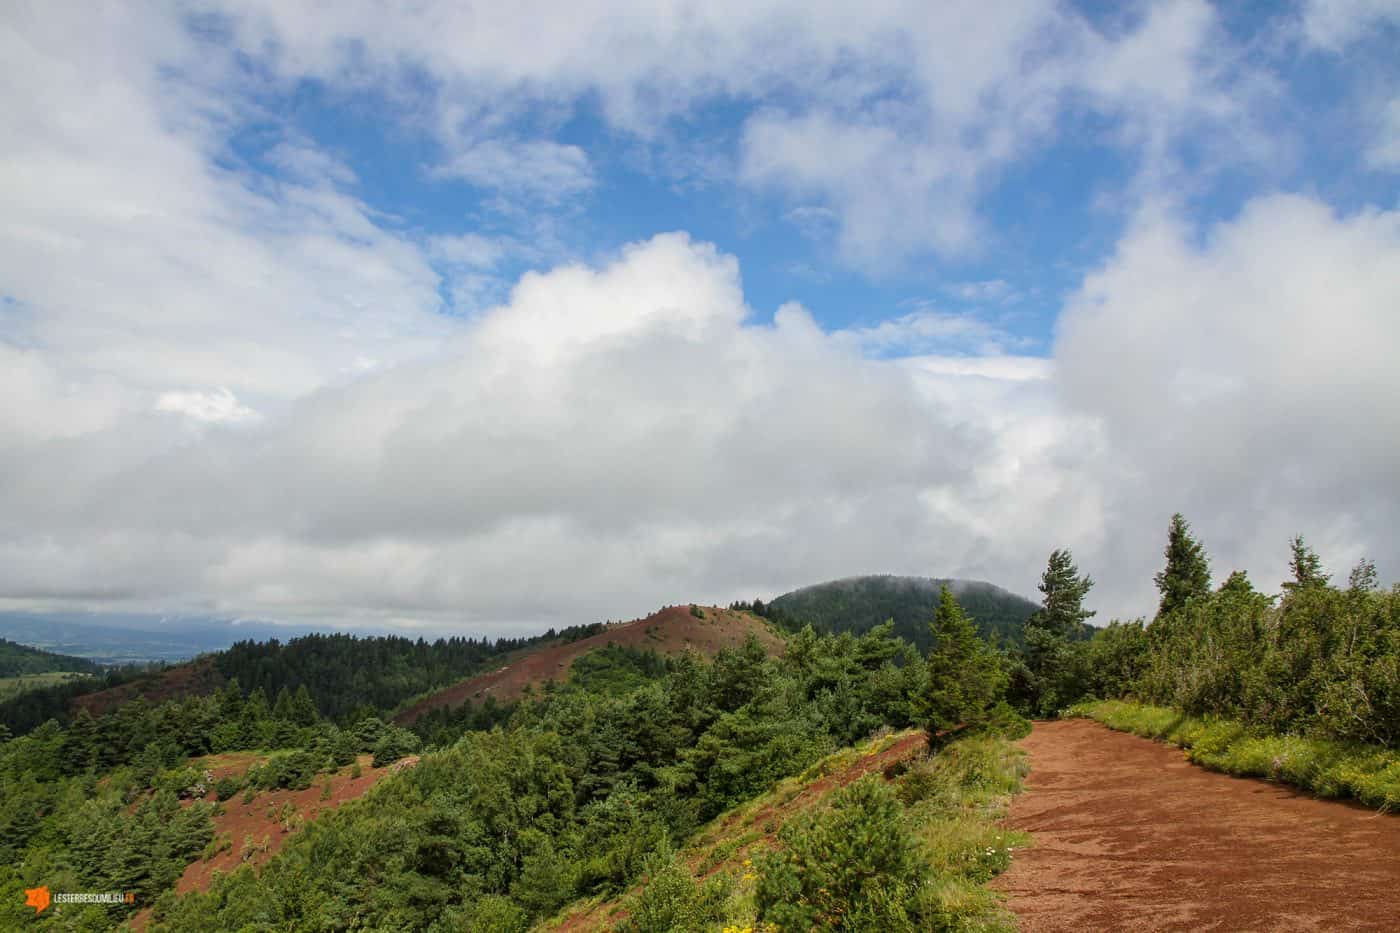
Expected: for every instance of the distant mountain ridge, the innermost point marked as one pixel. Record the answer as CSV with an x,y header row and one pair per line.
x,y
19,660
858,604
116,638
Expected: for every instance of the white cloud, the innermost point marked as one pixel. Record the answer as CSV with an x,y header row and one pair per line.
x,y
143,266
611,438
619,436
892,194
987,291
1384,150
925,330
970,90
537,168
895,114
304,162
470,250
218,406
1333,24
1247,381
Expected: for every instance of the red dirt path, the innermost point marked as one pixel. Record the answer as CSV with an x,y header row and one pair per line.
x,y
670,631
1131,836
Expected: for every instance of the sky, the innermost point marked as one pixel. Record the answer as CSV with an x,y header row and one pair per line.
x,y
482,317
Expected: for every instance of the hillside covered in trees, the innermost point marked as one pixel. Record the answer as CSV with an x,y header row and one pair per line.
x,y
858,604
345,675
17,660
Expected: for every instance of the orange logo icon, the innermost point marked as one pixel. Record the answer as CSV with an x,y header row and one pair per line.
x,y
38,898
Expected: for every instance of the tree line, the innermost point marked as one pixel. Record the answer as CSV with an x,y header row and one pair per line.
x,y
1317,659
347,676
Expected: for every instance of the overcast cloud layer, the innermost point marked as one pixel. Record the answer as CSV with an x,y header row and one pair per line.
x,y
243,384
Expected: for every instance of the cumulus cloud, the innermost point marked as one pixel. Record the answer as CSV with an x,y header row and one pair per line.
x,y
1246,380
610,438
236,390
137,254
619,436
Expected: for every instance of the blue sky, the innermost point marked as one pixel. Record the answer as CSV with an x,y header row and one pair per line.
x,y
370,316
1044,217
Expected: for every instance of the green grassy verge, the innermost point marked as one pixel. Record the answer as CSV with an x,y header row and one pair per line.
x,y
947,808
956,801
1367,773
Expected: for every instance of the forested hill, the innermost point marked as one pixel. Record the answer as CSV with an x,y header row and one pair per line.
x,y
858,604
343,674
17,660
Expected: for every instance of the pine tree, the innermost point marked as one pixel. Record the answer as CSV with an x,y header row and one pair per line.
x,y
1363,578
1187,574
303,708
1050,660
1062,608
255,725
1306,567
231,701
80,744
1238,584
282,706
965,679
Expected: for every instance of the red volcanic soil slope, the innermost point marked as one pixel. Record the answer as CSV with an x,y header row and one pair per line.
x,y
259,822
1128,835
198,677
670,631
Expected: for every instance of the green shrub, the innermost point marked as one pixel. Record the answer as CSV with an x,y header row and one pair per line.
x,y
852,867
671,901
497,914
183,782
1005,721
220,843
395,743
294,770
546,881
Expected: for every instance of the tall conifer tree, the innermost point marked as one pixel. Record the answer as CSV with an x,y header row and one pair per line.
x,y
1050,662
1187,574
965,679
1306,567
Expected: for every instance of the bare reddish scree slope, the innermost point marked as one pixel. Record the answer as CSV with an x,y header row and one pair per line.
x,y
671,631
